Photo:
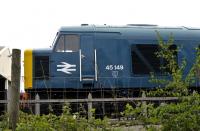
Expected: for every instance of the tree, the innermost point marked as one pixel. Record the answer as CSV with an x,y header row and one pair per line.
x,y
175,83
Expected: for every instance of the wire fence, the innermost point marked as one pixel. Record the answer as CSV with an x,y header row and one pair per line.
x,y
110,107
109,96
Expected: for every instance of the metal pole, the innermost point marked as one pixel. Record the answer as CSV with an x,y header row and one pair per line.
x,y
14,91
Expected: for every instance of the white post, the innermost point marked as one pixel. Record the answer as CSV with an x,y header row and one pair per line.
x,y
37,105
144,103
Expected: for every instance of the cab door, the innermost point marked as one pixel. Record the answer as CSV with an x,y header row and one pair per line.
x,y
65,65
87,58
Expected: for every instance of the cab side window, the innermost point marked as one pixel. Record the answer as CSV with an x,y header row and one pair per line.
x,y
60,44
72,43
68,43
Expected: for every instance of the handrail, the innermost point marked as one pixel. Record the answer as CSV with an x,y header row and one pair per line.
x,y
95,59
80,65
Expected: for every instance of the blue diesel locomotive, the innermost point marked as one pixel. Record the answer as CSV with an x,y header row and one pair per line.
x,y
105,57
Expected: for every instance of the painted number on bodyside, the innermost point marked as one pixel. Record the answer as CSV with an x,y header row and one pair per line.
x,y
114,67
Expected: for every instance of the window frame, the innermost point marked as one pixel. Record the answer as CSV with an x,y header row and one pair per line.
x,y
65,49
46,77
56,43
161,61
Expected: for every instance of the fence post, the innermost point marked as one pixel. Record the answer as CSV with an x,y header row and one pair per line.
x,y
14,91
89,106
144,104
8,99
37,105
103,108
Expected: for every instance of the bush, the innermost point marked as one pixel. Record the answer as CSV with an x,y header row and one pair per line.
x,y
67,121
4,122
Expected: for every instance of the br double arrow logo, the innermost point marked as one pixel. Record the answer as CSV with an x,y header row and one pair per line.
x,y
66,68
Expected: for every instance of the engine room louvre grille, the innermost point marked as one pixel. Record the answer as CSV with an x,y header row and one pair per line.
x,y
41,67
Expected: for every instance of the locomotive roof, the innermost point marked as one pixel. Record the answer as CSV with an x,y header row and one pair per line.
x,y
139,31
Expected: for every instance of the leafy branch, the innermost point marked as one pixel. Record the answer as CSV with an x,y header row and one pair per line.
x,y
173,81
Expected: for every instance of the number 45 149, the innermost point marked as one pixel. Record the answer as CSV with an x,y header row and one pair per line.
x,y
114,67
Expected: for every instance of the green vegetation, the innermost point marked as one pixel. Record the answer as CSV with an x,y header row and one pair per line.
x,y
181,116
51,122
178,82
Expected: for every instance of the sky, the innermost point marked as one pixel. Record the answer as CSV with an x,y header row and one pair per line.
x,y
34,23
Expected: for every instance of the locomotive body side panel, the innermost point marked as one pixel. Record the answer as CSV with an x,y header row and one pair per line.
x,y
113,62
112,57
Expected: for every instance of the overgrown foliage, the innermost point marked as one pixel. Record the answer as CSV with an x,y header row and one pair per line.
x,y
175,80
65,122
4,122
182,116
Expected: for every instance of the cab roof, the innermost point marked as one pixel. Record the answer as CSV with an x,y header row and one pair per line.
x,y
139,31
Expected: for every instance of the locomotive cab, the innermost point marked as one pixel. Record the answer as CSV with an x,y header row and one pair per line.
x,y
73,60
83,60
